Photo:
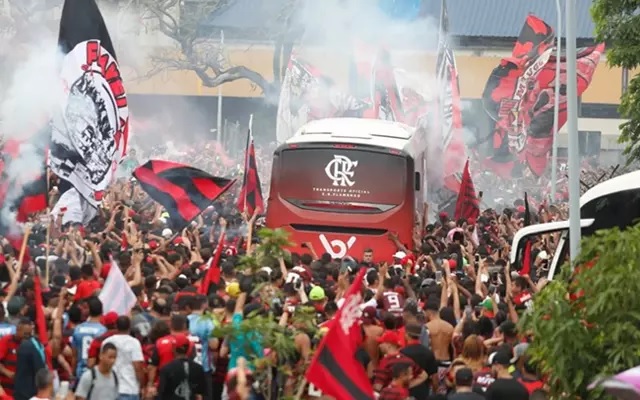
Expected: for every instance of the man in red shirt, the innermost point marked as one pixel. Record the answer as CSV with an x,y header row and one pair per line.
x,y
109,321
398,389
88,286
9,354
163,351
389,344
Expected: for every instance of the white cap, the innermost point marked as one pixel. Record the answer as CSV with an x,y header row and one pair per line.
x,y
400,255
166,233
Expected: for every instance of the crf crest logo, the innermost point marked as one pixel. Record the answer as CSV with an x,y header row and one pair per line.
x,y
341,171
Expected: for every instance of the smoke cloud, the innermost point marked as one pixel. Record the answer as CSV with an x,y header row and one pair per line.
x,y
34,91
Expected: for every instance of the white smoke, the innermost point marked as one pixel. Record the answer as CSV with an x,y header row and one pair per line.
x,y
27,105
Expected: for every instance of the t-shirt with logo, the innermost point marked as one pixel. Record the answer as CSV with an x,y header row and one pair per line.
x,y
81,339
181,379
523,301
202,327
7,329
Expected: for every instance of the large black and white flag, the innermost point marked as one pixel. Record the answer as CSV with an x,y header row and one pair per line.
x,y
90,128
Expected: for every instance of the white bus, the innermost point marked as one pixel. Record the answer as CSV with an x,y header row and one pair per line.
x,y
613,203
342,184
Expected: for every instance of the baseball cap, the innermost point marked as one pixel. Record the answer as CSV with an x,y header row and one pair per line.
x,y
109,319
508,328
369,313
464,377
500,357
233,289
391,337
166,233
316,293
181,340
400,255
487,306
519,351
15,305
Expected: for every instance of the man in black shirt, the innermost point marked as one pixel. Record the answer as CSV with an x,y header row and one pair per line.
x,y
423,357
505,387
30,359
464,382
182,378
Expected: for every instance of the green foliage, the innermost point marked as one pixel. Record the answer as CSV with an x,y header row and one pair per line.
x,y
266,254
578,341
618,25
266,328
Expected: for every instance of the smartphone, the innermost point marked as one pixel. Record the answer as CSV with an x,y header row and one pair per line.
x,y
438,276
467,312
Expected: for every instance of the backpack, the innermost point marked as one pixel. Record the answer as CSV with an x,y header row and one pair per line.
x,y
93,381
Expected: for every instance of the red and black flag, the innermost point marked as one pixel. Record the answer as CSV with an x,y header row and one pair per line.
x,y
90,127
508,88
250,197
183,191
334,368
540,105
468,204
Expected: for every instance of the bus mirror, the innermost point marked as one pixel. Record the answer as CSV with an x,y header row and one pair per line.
x,y
417,181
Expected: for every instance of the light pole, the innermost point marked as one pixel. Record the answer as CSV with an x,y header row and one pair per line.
x,y
572,124
556,102
219,125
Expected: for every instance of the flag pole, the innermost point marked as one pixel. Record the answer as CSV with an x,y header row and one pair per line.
x,y
556,103
219,121
48,233
23,247
47,249
572,123
246,158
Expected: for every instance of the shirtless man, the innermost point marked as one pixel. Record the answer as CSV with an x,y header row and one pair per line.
x,y
372,331
440,334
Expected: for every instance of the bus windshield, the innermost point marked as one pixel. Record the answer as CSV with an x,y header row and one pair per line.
x,y
328,179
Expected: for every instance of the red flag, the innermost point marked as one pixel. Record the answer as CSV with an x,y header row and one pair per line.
x,y
334,369
213,273
251,193
185,192
468,204
41,325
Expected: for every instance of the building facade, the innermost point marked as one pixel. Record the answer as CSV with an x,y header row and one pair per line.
x,y
483,32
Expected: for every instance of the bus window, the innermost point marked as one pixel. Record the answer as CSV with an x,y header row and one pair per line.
x,y
619,209
326,179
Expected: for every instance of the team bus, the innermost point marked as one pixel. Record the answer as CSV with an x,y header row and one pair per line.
x,y
343,184
612,203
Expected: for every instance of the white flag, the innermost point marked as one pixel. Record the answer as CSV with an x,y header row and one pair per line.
x,y
74,208
116,295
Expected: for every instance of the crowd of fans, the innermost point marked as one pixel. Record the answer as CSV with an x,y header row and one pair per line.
x,y
437,322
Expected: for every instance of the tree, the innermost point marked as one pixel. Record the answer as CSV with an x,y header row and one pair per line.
x,y
182,22
618,25
266,328
596,334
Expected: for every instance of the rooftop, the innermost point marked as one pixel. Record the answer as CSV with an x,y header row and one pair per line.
x,y
468,19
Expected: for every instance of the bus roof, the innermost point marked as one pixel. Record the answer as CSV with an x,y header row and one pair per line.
x,y
376,132
618,184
